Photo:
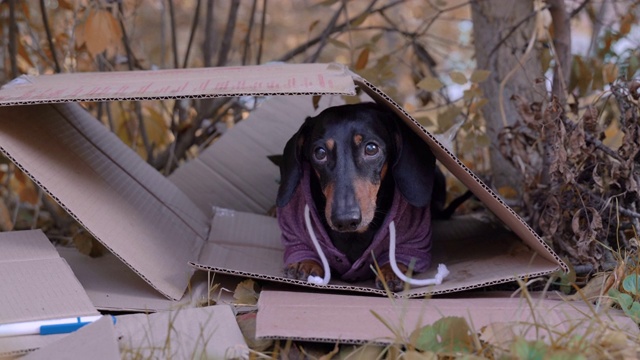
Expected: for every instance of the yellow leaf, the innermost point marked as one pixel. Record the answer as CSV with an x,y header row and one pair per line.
x,y
338,43
479,76
363,58
458,77
430,84
610,73
508,192
101,31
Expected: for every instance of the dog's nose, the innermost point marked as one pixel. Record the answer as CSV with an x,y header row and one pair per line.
x,y
347,221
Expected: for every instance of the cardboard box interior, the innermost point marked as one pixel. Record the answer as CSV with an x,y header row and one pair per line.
x,y
210,214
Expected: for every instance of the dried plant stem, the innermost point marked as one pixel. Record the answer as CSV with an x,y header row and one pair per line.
x,y
13,39
247,38
337,28
47,29
263,24
194,27
174,41
227,38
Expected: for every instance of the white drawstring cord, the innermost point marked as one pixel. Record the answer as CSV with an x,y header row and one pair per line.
x,y
325,264
437,280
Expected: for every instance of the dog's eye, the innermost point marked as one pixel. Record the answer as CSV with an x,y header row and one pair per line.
x,y
320,153
371,149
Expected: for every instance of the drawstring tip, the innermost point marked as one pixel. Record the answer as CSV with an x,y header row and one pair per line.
x,y
317,280
442,273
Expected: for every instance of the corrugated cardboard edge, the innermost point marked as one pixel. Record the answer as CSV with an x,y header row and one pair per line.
x,y
350,319
195,83
467,177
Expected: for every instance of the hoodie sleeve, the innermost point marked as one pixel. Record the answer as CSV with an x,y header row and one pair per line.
x,y
295,238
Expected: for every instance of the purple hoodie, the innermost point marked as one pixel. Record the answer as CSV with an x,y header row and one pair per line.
x,y
413,239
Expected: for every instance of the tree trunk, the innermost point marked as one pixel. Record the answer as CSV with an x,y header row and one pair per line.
x,y
502,31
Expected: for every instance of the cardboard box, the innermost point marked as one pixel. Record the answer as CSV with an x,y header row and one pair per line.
x,y
210,213
36,284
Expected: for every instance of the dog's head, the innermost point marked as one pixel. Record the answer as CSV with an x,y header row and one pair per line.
x,y
351,149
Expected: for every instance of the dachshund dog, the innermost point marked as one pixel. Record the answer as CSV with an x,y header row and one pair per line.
x,y
357,167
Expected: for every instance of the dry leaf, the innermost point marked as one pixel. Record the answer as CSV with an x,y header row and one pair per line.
x,y
430,84
479,76
6,224
245,293
458,77
363,58
101,31
610,73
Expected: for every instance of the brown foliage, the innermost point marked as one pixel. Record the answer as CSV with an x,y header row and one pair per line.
x,y
576,189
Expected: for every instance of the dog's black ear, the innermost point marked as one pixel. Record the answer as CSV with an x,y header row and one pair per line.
x,y
414,166
291,166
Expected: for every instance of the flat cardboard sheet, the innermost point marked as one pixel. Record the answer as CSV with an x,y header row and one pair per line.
x,y
95,341
36,284
157,226
191,333
350,318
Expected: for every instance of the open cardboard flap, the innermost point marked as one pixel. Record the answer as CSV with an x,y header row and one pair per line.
x,y
36,284
210,213
313,317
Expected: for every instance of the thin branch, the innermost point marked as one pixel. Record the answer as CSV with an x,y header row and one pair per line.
x,y
131,64
514,28
263,23
13,37
247,39
174,41
194,27
324,37
209,34
227,39
577,10
47,29
300,49
562,48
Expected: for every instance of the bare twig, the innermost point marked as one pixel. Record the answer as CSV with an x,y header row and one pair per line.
x,y
300,49
13,38
247,39
174,41
194,27
562,47
324,37
225,47
263,23
47,29
577,10
131,64
209,34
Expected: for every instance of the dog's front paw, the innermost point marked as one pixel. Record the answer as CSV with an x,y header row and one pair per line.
x,y
301,270
393,282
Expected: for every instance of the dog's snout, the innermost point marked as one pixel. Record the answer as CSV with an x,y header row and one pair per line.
x,y
348,221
